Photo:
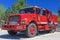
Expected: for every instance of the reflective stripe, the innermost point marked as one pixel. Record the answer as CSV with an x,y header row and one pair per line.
x,y
42,22
55,23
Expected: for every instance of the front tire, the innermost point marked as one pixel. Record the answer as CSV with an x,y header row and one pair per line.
x,y
31,30
52,31
12,32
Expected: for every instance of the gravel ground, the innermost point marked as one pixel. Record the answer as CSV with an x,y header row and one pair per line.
x,y
44,36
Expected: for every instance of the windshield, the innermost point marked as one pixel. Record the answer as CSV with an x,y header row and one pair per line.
x,y
26,10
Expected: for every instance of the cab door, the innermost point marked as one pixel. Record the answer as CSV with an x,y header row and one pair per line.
x,y
41,19
41,16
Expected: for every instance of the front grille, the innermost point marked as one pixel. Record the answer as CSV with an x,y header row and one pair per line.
x,y
8,26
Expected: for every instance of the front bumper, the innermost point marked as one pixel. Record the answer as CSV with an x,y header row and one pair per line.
x,y
14,27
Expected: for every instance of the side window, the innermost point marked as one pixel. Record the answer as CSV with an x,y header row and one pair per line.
x,y
49,15
43,12
37,11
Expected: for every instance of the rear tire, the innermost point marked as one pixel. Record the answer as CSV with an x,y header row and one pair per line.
x,y
52,28
52,31
12,32
31,30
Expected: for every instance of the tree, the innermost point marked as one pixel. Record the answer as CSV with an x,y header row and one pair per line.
x,y
2,12
7,13
18,5
59,15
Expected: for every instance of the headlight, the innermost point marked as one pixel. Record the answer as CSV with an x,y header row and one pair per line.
x,y
22,22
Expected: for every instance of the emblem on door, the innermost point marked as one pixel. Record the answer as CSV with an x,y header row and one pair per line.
x,y
39,18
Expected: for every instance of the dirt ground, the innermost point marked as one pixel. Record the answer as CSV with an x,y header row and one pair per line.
x,y
44,36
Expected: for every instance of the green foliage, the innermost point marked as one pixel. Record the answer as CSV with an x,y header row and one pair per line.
x,y
7,13
2,21
2,12
18,5
59,19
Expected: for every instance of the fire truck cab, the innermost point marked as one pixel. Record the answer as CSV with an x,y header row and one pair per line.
x,y
31,20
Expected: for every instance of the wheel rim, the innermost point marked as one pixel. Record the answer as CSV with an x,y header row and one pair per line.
x,y
53,30
32,30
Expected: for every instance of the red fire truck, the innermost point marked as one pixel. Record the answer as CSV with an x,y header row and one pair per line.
x,y
31,20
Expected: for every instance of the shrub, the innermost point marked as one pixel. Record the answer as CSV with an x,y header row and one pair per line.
x,y
59,20
1,21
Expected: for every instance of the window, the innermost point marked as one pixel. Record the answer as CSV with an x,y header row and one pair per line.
x,y
43,12
38,11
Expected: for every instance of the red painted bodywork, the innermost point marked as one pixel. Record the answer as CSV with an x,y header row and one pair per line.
x,y
40,20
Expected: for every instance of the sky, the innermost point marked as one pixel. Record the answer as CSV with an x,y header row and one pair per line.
x,y
51,5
